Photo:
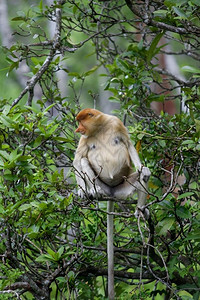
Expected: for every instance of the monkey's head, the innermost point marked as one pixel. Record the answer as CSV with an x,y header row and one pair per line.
x,y
89,120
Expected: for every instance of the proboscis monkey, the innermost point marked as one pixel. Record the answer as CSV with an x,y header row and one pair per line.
x,y
104,156
103,165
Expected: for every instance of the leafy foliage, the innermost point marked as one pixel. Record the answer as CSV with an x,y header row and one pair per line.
x,y
53,244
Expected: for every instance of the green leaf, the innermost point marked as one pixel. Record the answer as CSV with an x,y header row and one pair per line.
x,y
170,3
34,109
162,143
8,122
71,274
180,12
6,109
14,156
166,204
36,61
185,195
197,123
196,2
62,279
53,129
91,71
2,210
61,250
18,19
49,107
165,225
187,142
5,155
123,65
115,80
43,206
190,69
10,177
160,13
55,255
152,49
51,252
37,141
75,7
41,6
43,258
140,44
25,207
16,205
33,231
114,99
140,136
14,65
193,236
183,212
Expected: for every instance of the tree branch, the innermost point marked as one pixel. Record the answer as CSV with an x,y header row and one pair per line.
x,y
55,45
150,22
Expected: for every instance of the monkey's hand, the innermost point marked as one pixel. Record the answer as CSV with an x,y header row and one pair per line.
x,y
94,184
145,174
96,191
92,192
81,193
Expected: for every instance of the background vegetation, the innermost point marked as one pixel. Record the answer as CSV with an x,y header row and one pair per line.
x,y
56,58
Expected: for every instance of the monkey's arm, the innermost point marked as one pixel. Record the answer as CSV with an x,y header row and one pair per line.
x,y
141,184
79,170
95,185
127,187
144,171
134,183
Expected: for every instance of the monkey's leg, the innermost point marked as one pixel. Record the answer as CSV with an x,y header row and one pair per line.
x,y
95,185
142,196
127,187
142,190
81,182
145,174
136,182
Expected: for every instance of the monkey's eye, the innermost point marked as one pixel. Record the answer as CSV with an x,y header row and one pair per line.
x,y
90,114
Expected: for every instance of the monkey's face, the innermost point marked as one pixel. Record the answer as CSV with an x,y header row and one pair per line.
x,y
88,121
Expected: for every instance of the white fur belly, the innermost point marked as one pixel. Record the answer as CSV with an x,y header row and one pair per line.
x,y
110,163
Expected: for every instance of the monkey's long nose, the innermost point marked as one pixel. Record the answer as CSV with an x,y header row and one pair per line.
x,y
80,129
